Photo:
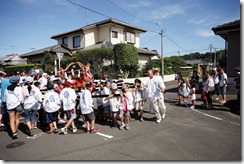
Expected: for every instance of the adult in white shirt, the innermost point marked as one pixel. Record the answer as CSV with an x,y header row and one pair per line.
x,y
43,81
209,89
155,88
216,82
14,99
223,85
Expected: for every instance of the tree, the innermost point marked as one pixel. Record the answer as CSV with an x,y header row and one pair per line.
x,y
97,57
48,57
126,58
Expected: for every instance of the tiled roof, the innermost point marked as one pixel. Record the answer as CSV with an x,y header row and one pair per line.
x,y
110,20
55,48
229,25
12,59
146,51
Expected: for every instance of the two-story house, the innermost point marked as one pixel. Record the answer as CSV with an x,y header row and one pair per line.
x,y
105,33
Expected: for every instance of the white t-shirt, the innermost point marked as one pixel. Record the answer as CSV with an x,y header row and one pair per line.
x,y
223,80
115,103
129,101
154,86
139,94
106,91
210,83
68,97
51,102
43,82
13,98
216,78
86,102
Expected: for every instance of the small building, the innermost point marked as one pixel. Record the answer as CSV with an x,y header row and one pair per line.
x,y
38,56
10,60
230,32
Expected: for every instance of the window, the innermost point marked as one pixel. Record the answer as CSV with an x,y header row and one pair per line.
x,y
65,41
114,34
76,41
130,37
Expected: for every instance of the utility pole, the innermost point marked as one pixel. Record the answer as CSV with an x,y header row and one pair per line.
x,y
211,58
162,54
215,57
178,53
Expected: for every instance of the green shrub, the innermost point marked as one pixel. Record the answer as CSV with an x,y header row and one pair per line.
x,y
21,68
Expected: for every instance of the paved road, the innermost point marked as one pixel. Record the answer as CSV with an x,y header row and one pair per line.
x,y
184,134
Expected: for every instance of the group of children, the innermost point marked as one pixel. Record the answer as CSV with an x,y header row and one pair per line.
x,y
121,100
186,92
116,102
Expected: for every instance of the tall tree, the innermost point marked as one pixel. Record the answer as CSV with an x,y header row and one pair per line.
x,y
125,58
97,57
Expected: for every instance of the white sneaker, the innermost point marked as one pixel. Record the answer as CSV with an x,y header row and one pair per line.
x,y
64,130
61,121
192,107
127,127
163,116
75,130
222,102
159,120
84,125
121,126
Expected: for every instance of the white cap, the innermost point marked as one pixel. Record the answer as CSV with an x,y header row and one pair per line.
x,y
114,86
29,79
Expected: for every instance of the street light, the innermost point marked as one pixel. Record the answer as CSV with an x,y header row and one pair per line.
x,y
162,56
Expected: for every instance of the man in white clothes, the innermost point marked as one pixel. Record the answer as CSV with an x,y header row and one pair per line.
x,y
43,81
155,88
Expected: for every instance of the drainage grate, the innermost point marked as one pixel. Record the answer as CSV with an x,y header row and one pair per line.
x,y
15,145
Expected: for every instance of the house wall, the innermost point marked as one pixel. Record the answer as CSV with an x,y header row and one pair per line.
x,y
103,34
120,38
36,59
70,40
91,37
142,60
233,57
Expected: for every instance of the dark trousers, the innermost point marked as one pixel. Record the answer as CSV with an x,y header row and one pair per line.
x,y
209,97
217,89
5,116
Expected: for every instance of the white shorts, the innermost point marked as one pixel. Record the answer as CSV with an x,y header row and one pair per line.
x,y
193,97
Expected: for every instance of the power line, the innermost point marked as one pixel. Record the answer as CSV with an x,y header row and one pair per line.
x,y
176,43
130,13
150,40
88,9
30,21
86,15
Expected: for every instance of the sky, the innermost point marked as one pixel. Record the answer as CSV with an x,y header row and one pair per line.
x,y
27,25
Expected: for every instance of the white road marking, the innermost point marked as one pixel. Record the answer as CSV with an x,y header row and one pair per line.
x,y
105,135
35,136
214,117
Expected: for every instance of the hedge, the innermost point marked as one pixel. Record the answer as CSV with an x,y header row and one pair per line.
x,y
21,68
